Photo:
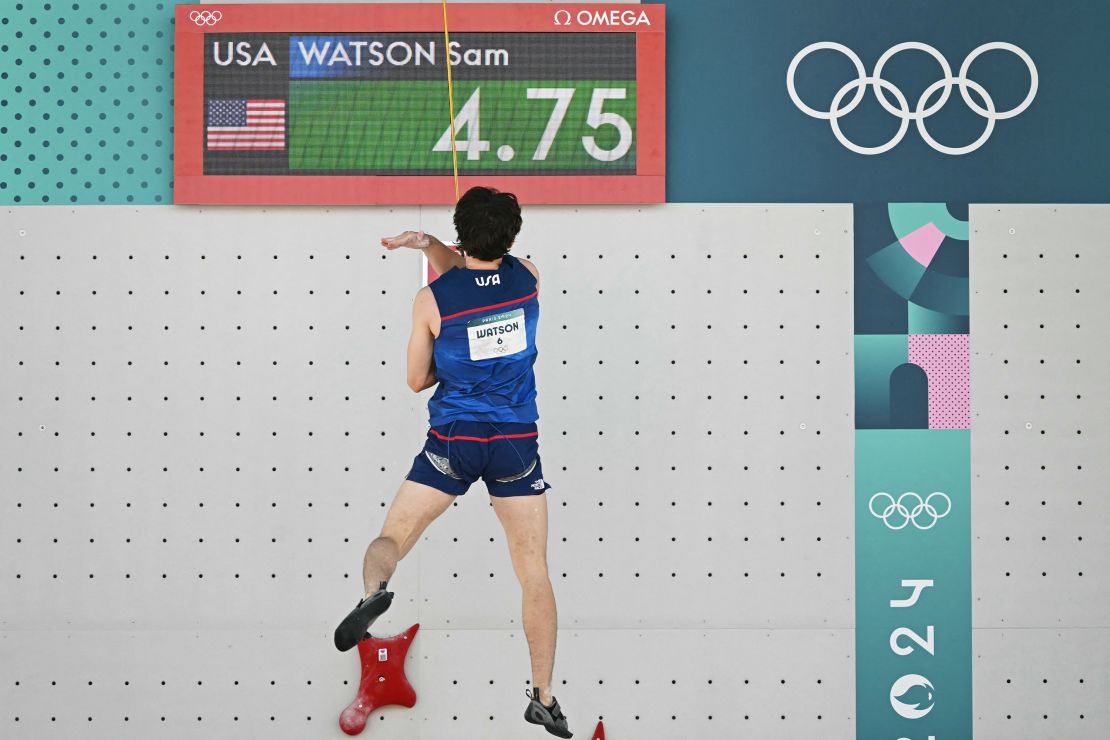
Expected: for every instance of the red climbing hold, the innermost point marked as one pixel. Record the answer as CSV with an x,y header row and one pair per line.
x,y
599,732
383,679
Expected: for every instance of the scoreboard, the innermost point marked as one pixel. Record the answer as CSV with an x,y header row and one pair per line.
x,y
348,103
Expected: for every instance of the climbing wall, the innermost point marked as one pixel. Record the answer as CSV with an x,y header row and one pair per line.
x,y
1041,399
201,434
206,418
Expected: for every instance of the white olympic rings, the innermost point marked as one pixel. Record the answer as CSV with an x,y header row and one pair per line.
x,y
902,110
903,515
206,17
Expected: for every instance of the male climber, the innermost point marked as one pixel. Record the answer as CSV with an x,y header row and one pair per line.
x,y
474,333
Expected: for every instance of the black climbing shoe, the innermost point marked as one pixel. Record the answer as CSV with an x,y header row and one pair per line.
x,y
550,717
354,625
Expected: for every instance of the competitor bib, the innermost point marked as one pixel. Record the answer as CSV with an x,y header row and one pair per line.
x,y
498,335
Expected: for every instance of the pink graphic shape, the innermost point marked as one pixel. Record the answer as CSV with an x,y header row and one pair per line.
x,y
945,359
922,244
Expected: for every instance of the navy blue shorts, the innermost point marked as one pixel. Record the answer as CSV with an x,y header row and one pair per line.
x,y
503,454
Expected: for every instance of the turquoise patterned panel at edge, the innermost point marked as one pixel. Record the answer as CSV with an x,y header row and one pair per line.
x,y
86,102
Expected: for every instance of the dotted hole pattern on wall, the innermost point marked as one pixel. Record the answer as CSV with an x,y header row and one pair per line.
x,y
86,91
666,387
1040,398
201,428
1041,591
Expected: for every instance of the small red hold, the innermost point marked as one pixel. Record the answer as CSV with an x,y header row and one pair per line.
x,y
599,732
383,679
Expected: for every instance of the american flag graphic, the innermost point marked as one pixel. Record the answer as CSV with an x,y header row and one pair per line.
x,y
246,124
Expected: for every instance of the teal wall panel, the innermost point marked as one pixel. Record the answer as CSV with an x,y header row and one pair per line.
x,y
86,102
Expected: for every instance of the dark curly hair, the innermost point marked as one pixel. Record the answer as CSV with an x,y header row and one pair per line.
x,y
487,222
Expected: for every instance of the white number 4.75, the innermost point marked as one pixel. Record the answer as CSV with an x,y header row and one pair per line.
x,y
596,118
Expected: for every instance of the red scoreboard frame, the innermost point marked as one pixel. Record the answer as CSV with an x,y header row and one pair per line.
x,y
191,185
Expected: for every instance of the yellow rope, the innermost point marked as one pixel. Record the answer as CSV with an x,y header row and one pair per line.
x,y
450,100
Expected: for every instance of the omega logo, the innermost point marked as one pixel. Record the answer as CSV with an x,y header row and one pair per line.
x,y
603,18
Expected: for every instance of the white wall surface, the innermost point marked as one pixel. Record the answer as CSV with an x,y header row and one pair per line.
x,y
210,507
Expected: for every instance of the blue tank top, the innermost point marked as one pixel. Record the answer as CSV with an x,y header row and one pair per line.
x,y
486,345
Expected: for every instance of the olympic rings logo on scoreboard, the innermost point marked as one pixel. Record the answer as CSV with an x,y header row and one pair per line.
x,y
206,17
903,112
903,515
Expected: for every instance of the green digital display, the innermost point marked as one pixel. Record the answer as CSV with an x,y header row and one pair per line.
x,y
517,125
